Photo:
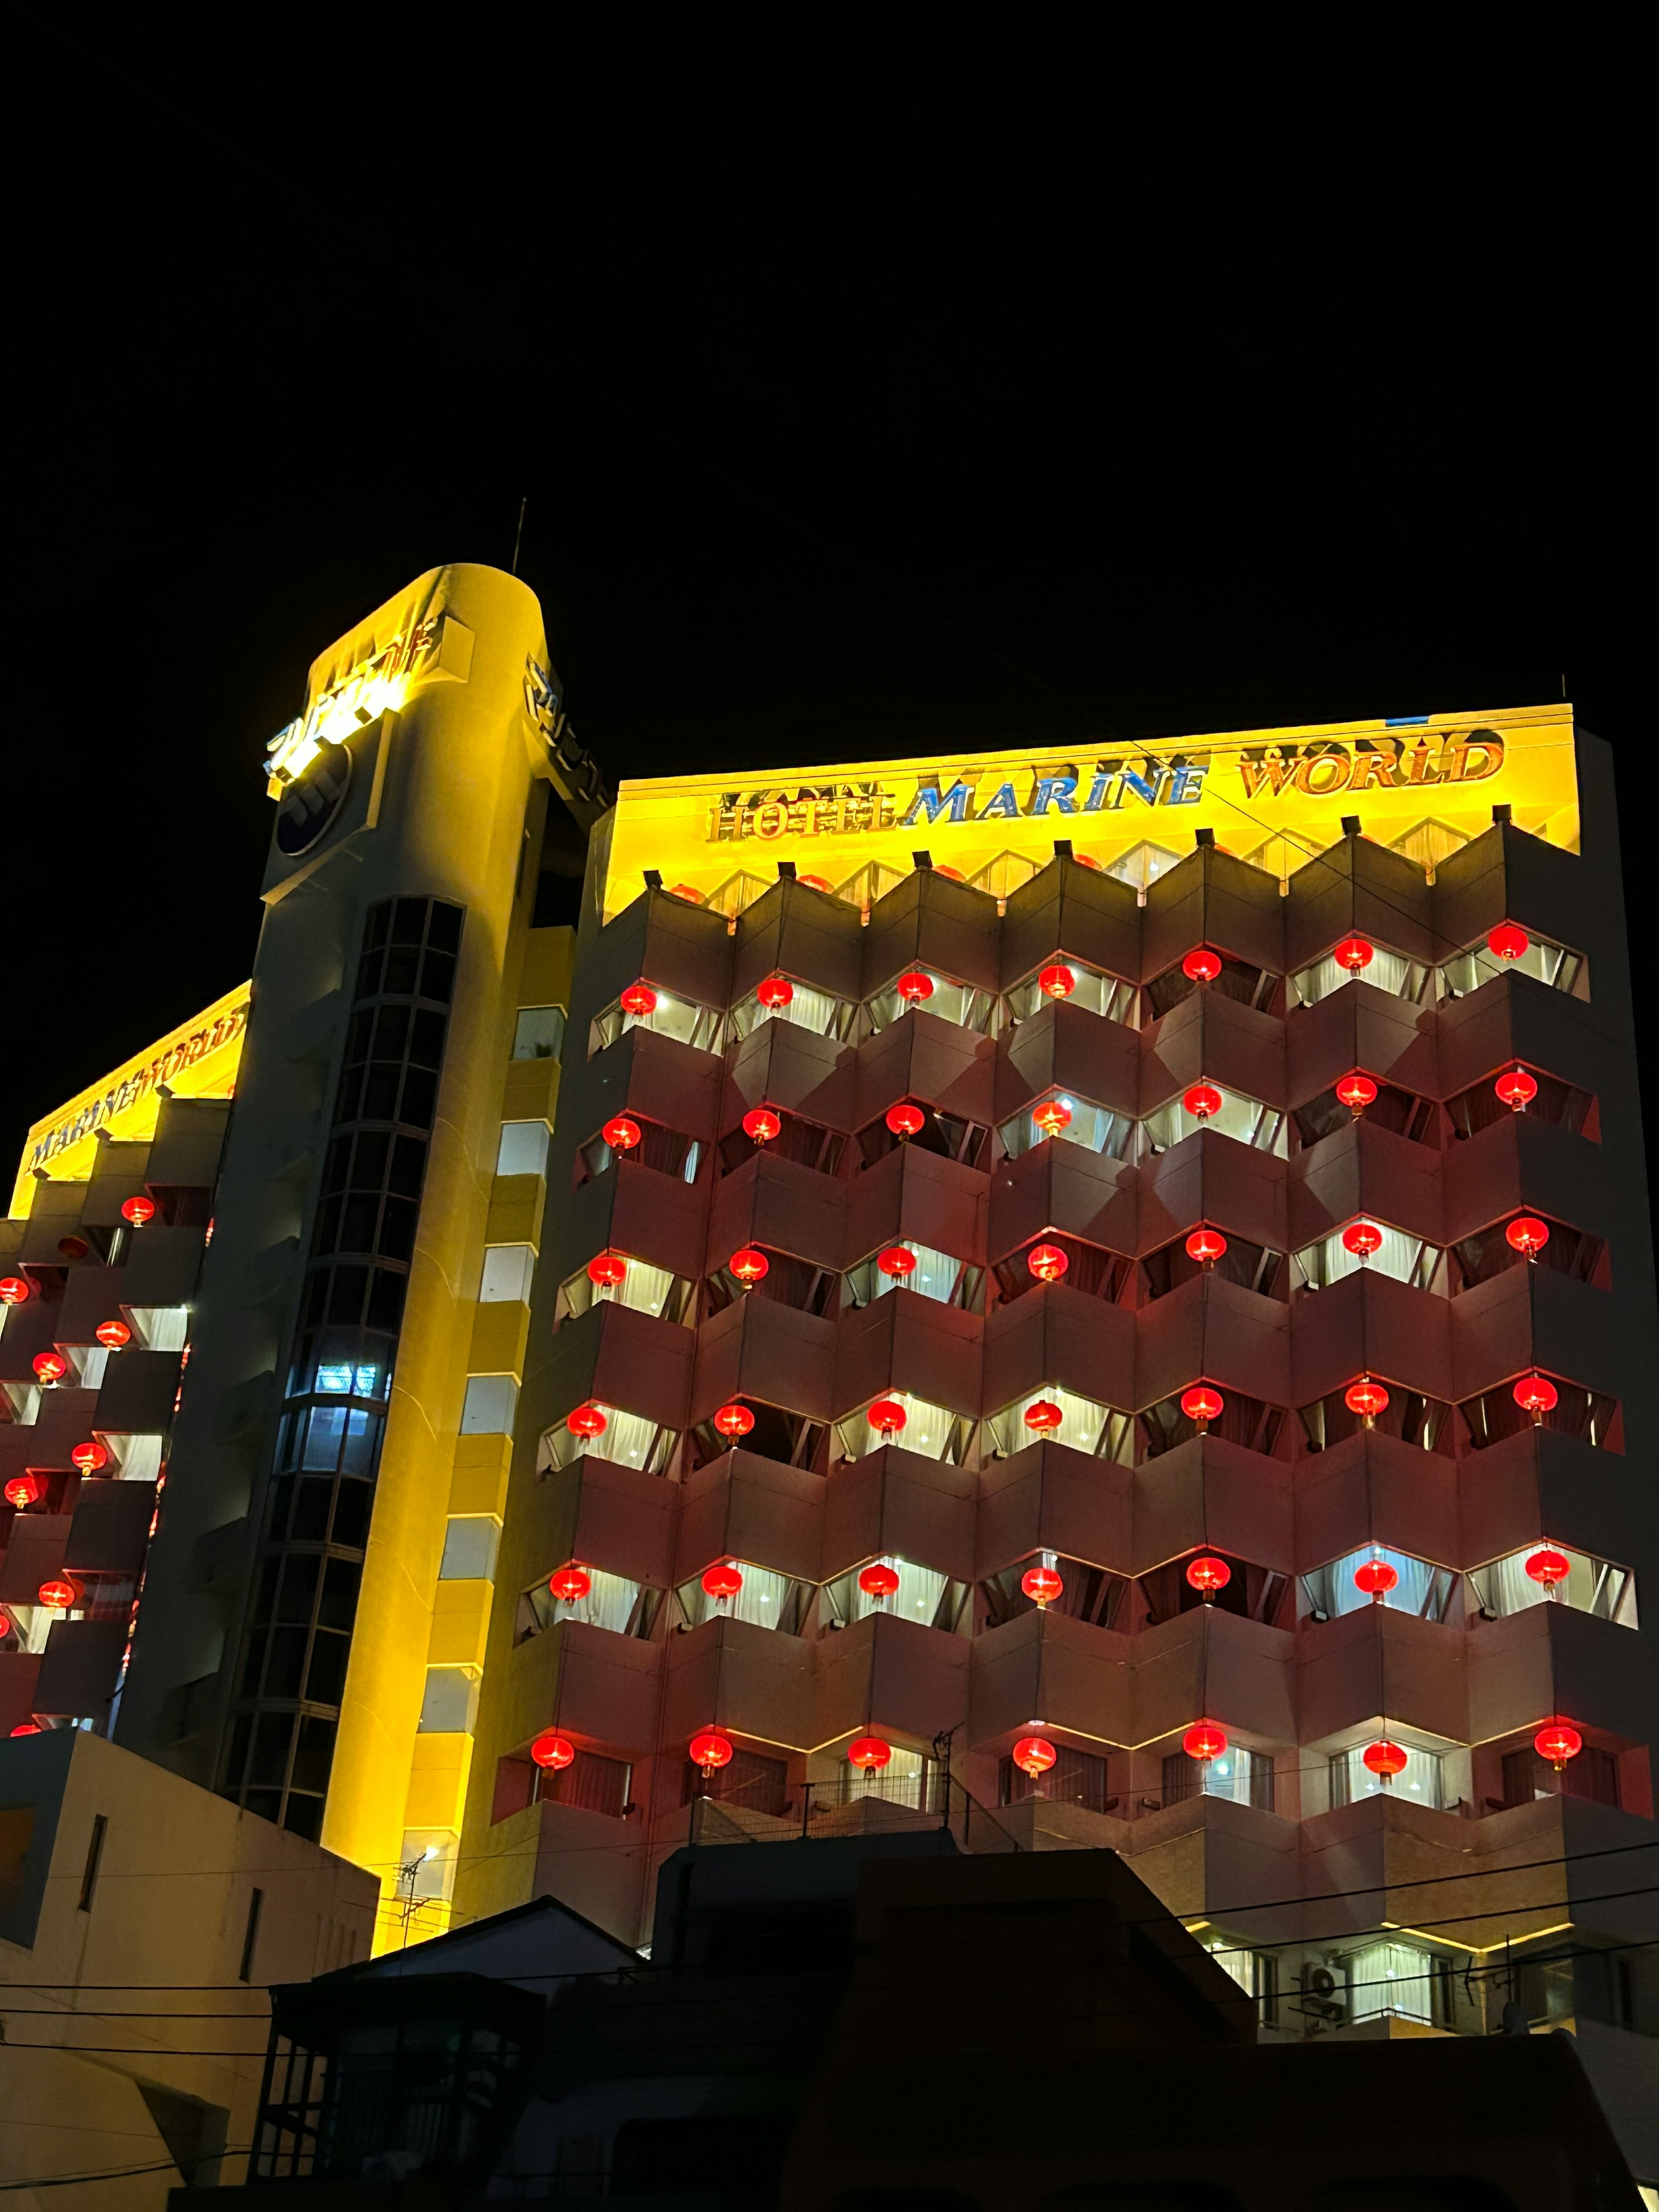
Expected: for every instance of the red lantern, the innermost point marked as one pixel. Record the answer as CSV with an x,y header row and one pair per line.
x,y
1042,1584
1355,953
1384,1759
1375,1578
1208,1574
28,1728
887,1416
1515,1088
1202,1403
25,1490
775,991
622,1134
1046,1263
639,998
59,1593
1202,1099
608,1272
1204,1739
869,1753
708,1749
138,1210
723,1580
1535,1394
586,1421
1508,941
687,891
1201,965
905,1120
1044,1416
813,883
1056,982
1034,1755
914,987
89,1456
1206,1245
749,1266
571,1584
550,1749
51,1366
762,1123
1558,1741
897,1262
13,1290
1366,1398
879,1581
1549,1567
1357,1092
1528,1234
1362,1239
734,1421
1052,1117
112,1334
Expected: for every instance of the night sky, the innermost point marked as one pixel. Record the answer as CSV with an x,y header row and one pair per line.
x,y
893,426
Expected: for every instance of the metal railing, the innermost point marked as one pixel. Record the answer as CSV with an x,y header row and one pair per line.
x,y
764,1812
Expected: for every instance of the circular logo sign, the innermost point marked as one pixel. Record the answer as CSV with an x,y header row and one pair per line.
x,y
312,802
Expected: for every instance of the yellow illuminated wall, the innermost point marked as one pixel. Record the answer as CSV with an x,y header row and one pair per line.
x,y
1274,797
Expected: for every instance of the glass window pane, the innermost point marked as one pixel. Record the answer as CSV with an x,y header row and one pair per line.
x,y
507,1270
491,1402
522,1149
539,1033
470,1542
451,1700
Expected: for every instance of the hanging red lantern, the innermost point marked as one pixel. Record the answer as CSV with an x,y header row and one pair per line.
x,y
748,1264
1201,1101
1208,1574
1535,1394
51,1366
878,1580
1052,1117
1549,1567
1046,1263
1043,1416
1375,1578
1204,1740
28,1728
762,1123
13,1290
775,991
723,1580
1515,1088
586,1421
1034,1755
639,998
734,1421
813,883
112,1334
25,1490
1384,1760
1056,982
708,1749
1366,1398
1357,1092
1362,1239
1558,1740
89,1456
59,1593
571,1584
905,1120
609,1272
688,891
914,987
1042,1584
898,1260
1202,1403
622,1134
868,1753
550,1749
1201,965
1354,953
1528,1234
887,1416
1206,1246
1508,941
138,1210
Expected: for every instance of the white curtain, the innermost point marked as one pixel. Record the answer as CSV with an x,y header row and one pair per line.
x,y
1593,1586
1422,1589
761,1599
1083,1425
933,1430
1390,1977
917,1597
1420,1779
1388,971
609,1604
1327,1262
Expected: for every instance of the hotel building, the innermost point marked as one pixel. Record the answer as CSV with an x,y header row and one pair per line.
x,y
1096,1297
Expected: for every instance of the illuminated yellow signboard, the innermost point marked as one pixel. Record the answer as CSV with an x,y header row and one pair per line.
x,y
1274,797
199,1060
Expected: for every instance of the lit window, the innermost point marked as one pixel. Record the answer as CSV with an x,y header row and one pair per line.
x,y
522,1149
506,1273
539,1033
162,1329
491,1402
470,1542
343,1380
451,1700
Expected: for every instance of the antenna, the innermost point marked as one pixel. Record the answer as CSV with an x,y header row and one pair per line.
x,y
518,535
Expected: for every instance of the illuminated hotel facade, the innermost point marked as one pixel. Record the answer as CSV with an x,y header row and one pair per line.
x,y
1100,1299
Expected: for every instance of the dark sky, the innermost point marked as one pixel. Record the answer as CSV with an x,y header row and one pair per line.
x,y
848,424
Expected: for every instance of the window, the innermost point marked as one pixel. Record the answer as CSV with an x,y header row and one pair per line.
x,y
612,1603
491,1402
1264,1128
1085,1425
1408,1258
450,1701
1063,1115
1100,993
470,1542
507,1272
162,1329
1246,1777
591,1783
1593,1586
933,1430
522,1149
1422,1779
427,1871
1387,971
629,1439
1398,1980
951,1001
1550,964
647,1288
821,1011
1077,1777
1594,1774
937,1275
538,1033
680,1018
1419,1588
766,1599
